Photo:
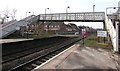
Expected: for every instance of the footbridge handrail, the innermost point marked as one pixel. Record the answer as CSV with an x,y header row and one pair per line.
x,y
81,16
11,27
111,32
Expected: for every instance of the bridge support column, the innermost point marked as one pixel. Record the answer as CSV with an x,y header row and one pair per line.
x,y
108,36
104,26
117,37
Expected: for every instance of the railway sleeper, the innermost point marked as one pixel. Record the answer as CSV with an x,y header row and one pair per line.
x,y
30,66
50,56
44,59
39,62
35,65
47,57
27,68
53,54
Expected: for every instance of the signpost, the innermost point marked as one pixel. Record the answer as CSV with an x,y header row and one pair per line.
x,y
83,32
83,35
27,27
102,34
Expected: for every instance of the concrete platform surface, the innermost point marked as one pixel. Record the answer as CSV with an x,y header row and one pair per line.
x,y
12,40
78,57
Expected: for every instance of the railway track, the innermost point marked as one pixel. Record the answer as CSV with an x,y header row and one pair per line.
x,y
23,56
40,58
20,54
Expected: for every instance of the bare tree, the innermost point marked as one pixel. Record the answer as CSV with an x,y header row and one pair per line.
x,y
8,14
13,14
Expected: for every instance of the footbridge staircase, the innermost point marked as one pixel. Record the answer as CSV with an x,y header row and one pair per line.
x,y
10,27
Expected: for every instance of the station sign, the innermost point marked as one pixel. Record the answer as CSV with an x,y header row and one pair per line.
x,y
101,33
83,32
27,27
26,30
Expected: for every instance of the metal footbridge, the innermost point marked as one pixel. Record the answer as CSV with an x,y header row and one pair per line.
x,y
64,17
81,17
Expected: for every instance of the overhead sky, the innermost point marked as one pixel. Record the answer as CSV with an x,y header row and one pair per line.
x,y
57,6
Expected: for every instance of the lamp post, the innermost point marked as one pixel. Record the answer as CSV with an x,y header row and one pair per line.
x,y
111,8
7,18
45,19
4,19
115,15
45,12
68,7
27,27
29,13
94,12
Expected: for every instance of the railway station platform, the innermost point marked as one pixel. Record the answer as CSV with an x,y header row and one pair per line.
x,y
12,40
80,58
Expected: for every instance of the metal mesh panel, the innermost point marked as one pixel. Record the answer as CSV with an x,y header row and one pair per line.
x,y
74,16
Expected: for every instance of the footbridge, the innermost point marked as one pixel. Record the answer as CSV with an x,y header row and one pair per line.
x,y
67,17
74,17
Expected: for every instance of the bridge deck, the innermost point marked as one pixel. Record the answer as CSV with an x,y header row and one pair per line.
x,y
83,17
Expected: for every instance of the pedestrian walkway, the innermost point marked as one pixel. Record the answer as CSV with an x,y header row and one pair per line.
x,y
78,57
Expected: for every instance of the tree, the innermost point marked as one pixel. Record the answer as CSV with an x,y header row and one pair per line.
x,y
8,14
5,15
13,14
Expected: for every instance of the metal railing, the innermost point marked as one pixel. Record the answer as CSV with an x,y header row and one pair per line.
x,y
7,29
85,16
111,31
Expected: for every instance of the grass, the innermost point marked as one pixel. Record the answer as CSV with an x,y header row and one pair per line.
x,y
35,36
40,36
92,41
